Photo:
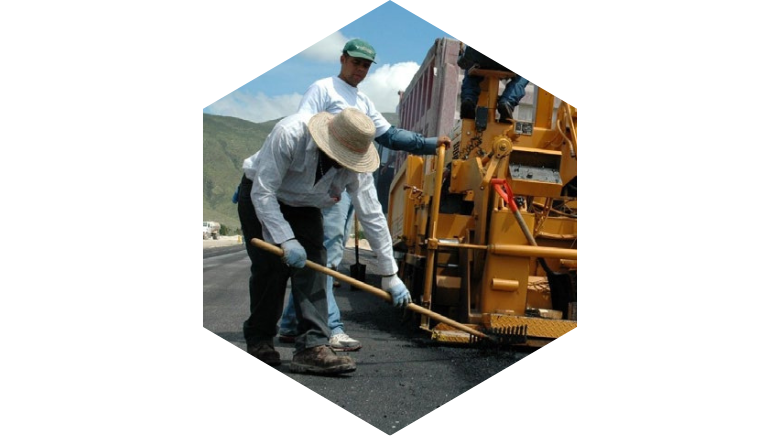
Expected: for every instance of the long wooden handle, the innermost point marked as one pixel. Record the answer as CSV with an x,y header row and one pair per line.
x,y
370,288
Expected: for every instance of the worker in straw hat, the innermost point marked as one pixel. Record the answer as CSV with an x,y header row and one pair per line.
x,y
304,165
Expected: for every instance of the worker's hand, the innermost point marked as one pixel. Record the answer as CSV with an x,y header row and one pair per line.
x,y
446,141
397,289
294,254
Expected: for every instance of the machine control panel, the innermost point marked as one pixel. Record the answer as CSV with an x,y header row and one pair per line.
x,y
535,173
535,166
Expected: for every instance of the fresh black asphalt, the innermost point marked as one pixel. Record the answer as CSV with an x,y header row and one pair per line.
x,y
402,375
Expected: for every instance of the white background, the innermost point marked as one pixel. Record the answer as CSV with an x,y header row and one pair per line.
x,y
102,117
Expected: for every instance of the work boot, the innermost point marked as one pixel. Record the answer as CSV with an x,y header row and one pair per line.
x,y
467,109
343,342
321,360
265,353
504,111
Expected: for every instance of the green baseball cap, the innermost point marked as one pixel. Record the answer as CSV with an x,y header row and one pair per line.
x,y
358,48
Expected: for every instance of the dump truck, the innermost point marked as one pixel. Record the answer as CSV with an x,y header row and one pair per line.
x,y
211,230
485,232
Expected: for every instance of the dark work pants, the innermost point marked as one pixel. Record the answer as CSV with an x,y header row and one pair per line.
x,y
269,276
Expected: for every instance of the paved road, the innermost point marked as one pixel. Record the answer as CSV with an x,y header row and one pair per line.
x,y
401,375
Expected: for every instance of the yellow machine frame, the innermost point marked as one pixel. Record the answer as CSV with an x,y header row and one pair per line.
x,y
474,263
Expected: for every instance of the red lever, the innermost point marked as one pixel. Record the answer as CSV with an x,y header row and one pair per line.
x,y
503,189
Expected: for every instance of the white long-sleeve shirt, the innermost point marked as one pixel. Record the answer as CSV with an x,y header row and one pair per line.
x,y
333,95
284,170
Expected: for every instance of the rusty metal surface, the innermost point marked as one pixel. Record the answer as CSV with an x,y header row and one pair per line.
x,y
447,334
537,327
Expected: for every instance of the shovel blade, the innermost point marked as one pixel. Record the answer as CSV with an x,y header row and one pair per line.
x,y
357,271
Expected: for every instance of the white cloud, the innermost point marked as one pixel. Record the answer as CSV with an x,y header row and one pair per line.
x,y
255,107
382,85
328,49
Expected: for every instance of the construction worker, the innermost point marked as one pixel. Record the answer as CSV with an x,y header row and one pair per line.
x,y
305,164
334,94
514,90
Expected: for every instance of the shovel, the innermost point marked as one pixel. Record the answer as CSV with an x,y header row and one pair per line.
x,y
357,270
378,292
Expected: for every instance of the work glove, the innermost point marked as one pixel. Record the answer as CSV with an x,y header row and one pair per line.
x,y
235,194
397,289
294,253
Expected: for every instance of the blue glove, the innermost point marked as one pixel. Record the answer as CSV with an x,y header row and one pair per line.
x,y
294,254
397,289
235,194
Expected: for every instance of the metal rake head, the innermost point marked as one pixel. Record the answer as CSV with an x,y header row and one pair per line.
x,y
508,335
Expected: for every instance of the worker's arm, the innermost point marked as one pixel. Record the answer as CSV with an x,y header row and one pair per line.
x,y
403,140
372,220
369,213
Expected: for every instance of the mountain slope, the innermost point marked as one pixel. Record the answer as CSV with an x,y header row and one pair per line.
x,y
227,141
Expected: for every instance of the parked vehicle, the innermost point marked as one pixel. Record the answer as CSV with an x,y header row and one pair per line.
x,y
210,230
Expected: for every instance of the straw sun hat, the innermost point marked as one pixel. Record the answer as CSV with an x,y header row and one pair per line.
x,y
347,138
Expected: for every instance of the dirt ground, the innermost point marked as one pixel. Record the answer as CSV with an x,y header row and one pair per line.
x,y
223,241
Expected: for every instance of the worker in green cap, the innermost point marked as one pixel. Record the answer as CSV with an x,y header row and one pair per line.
x,y
356,59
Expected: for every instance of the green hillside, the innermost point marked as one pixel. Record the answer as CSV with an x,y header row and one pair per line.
x,y
227,141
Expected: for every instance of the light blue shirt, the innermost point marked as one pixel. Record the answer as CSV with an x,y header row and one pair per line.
x,y
283,170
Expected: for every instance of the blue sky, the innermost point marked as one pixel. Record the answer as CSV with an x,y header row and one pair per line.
x,y
400,38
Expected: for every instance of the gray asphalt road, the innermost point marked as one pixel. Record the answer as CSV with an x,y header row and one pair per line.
x,y
402,375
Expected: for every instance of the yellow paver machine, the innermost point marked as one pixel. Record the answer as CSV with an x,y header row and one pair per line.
x,y
486,232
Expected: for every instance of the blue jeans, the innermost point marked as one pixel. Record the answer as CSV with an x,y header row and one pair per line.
x,y
513,92
334,221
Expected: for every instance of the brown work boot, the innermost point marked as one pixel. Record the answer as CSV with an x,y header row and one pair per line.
x,y
321,360
265,353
